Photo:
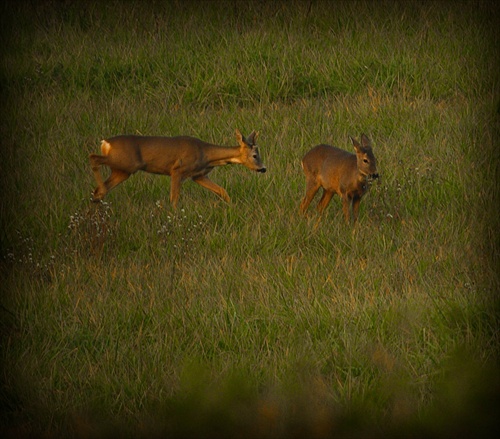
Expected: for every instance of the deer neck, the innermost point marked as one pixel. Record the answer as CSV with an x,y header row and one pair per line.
x,y
222,155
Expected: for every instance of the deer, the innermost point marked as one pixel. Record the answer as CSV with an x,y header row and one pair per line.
x,y
339,172
179,157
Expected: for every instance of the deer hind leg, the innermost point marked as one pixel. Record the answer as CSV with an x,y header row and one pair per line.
x,y
114,179
211,186
311,188
100,191
325,199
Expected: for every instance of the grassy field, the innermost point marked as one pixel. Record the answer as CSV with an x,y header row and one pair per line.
x,y
247,319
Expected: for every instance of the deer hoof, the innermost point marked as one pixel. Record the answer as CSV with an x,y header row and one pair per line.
x,y
97,196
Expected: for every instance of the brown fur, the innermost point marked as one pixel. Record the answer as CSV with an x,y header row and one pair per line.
x,y
179,157
339,172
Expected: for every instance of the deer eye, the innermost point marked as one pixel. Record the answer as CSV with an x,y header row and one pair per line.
x,y
366,161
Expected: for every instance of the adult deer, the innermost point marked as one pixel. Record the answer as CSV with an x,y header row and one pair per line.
x,y
179,157
339,172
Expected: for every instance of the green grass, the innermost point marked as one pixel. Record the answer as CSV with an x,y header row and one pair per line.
x,y
247,319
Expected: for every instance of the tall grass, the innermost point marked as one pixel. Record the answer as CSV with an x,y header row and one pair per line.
x,y
246,319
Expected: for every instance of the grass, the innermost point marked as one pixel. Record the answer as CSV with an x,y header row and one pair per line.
x,y
247,319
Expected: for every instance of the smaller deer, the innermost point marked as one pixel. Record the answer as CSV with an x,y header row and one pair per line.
x,y
179,157
339,172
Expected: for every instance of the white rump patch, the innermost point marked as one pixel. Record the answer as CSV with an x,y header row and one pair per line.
x,y
105,147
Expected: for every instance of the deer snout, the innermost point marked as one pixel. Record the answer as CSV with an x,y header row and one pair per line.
x,y
262,170
374,176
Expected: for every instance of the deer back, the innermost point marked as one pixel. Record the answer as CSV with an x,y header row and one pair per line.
x,y
154,154
333,168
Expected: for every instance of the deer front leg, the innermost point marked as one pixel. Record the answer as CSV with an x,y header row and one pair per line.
x,y
346,204
175,189
211,186
355,208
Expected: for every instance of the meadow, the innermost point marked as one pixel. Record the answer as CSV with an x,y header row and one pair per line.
x,y
246,319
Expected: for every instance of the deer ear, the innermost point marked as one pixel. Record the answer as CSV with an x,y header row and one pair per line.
x,y
356,144
239,136
365,141
252,138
